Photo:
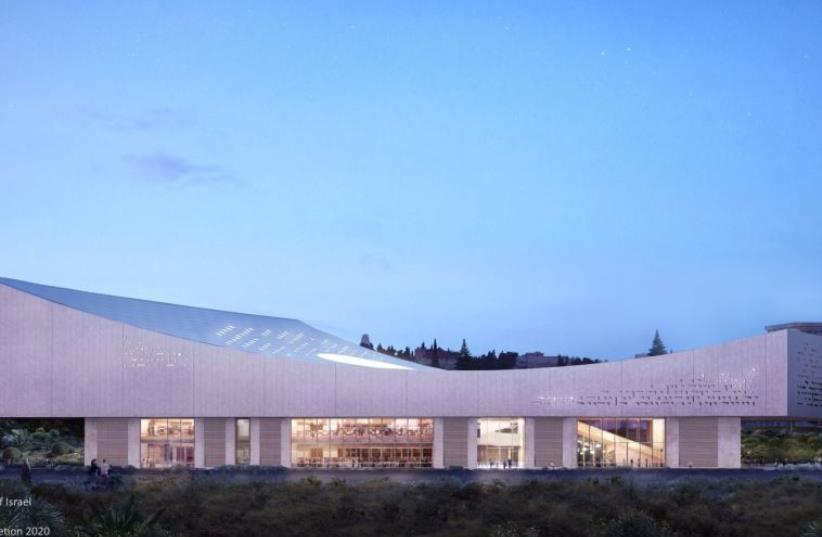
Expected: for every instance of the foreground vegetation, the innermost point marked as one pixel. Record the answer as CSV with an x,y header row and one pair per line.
x,y
186,504
772,444
41,442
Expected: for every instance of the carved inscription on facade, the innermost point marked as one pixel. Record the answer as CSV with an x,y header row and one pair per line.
x,y
721,391
151,356
808,364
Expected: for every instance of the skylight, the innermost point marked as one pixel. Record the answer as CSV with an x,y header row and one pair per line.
x,y
364,362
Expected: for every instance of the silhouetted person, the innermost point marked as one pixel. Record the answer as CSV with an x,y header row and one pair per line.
x,y
93,469
25,473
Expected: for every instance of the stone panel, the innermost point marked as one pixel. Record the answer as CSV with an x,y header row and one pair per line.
x,y
271,441
112,440
215,441
455,442
548,442
698,442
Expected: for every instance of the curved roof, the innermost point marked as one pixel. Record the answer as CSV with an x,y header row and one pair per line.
x,y
275,336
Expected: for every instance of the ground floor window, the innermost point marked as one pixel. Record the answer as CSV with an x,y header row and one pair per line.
x,y
166,442
635,442
243,441
500,442
362,442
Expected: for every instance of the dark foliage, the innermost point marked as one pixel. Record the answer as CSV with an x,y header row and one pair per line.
x,y
436,356
205,506
658,348
770,445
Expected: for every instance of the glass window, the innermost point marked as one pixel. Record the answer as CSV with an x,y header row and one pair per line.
x,y
243,441
635,442
500,442
362,442
166,442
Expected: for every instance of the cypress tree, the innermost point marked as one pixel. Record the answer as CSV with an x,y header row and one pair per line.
x,y
657,347
464,360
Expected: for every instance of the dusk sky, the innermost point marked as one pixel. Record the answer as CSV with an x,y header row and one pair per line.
x,y
529,176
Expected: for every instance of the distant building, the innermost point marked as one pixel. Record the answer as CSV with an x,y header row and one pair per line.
x,y
536,359
447,358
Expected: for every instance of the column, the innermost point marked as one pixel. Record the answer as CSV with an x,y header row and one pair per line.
x,y
528,444
569,443
472,443
134,442
285,443
437,449
89,440
730,442
231,441
672,442
254,437
199,443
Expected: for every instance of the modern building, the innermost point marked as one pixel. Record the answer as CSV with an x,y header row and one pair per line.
x,y
160,385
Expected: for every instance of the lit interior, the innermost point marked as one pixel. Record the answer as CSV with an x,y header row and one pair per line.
x,y
363,362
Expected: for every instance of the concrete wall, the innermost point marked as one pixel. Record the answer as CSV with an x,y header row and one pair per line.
x,y
59,362
698,443
729,438
705,442
271,442
548,442
455,441
214,438
108,439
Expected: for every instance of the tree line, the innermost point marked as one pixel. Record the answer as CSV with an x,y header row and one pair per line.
x,y
491,360
465,360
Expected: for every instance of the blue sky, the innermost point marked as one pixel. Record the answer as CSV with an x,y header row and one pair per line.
x,y
564,177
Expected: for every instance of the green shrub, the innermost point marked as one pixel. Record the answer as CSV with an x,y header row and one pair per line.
x,y
635,524
511,529
41,437
70,459
61,448
11,454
